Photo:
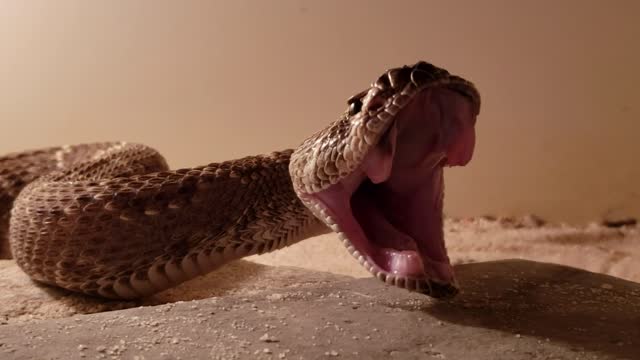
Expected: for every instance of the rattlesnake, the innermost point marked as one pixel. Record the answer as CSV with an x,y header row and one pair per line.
x,y
110,219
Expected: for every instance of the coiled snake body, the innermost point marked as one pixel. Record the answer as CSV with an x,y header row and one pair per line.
x,y
111,219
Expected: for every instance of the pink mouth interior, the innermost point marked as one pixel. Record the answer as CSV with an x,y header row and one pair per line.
x,y
390,209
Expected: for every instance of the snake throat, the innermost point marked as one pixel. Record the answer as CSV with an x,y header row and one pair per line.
x,y
389,212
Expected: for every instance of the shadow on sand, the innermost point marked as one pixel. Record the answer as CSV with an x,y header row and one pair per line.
x,y
556,303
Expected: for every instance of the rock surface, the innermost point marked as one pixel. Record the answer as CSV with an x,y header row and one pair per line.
x,y
22,300
512,309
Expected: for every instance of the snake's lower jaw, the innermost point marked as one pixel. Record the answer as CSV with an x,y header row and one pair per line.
x,y
390,267
396,266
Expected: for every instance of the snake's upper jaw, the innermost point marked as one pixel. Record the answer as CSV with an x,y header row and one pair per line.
x,y
389,211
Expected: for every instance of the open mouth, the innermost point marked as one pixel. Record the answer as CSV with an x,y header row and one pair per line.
x,y
389,212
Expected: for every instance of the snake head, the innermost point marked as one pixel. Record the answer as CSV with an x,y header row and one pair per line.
x,y
375,176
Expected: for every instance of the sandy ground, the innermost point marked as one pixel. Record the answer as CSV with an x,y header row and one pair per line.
x,y
508,309
595,248
613,251
517,310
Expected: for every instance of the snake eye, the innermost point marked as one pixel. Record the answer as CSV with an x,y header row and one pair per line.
x,y
355,106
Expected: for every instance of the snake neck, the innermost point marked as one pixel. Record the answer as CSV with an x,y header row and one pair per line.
x,y
273,213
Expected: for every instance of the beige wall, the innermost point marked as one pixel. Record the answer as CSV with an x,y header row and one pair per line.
x,y
204,81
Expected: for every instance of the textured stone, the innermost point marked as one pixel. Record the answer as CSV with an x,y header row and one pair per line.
x,y
508,310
